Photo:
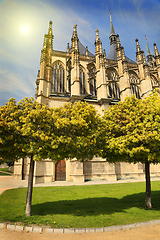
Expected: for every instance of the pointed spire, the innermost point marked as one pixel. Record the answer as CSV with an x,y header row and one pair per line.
x,y
148,51
113,40
104,53
112,28
98,43
137,45
75,31
50,36
144,59
75,40
97,35
86,51
50,28
43,51
45,42
139,53
149,55
155,49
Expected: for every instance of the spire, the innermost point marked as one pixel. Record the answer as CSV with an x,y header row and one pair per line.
x,y
86,51
43,51
112,28
139,53
98,43
45,42
149,55
148,51
156,50
75,40
50,36
144,59
97,35
137,45
113,42
75,31
50,28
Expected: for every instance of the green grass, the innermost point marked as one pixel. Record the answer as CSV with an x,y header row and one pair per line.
x,y
81,206
3,170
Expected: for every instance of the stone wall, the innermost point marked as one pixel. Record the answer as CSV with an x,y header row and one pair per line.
x,y
92,170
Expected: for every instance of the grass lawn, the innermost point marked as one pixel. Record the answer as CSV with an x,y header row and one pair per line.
x,y
3,170
81,206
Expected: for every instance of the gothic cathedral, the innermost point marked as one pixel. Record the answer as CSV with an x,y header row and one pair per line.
x,y
79,75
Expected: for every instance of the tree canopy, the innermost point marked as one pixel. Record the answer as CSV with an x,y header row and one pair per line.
x,y
30,129
131,132
76,129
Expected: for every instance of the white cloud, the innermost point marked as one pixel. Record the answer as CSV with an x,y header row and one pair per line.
x,y
15,83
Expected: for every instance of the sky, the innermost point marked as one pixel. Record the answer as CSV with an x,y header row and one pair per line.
x,y
23,24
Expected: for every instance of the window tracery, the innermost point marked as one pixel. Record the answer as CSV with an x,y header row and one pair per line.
x,y
113,87
58,78
134,82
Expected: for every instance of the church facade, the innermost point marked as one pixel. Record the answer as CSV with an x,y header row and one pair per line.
x,y
100,80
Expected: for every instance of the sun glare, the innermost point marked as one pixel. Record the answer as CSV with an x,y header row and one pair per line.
x,y
25,29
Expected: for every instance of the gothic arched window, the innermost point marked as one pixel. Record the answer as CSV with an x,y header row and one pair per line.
x,y
114,91
58,78
93,89
134,82
135,91
113,88
82,82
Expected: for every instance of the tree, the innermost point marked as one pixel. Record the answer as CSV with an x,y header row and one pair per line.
x,y
30,129
9,136
76,128
131,133
23,131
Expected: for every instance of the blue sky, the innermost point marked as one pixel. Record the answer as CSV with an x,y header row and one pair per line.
x,y
20,52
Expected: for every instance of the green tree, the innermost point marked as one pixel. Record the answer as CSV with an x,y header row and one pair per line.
x,y
30,129
76,128
23,130
131,133
9,136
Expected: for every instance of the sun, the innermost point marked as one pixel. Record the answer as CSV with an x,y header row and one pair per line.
x,y
25,29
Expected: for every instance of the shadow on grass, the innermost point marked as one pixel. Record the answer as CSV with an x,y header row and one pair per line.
x,y
95,206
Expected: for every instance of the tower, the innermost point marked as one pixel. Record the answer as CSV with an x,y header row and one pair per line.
x,y
44,75
113,41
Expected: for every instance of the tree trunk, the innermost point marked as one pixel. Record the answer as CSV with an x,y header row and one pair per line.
x,y
148,186
30,187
